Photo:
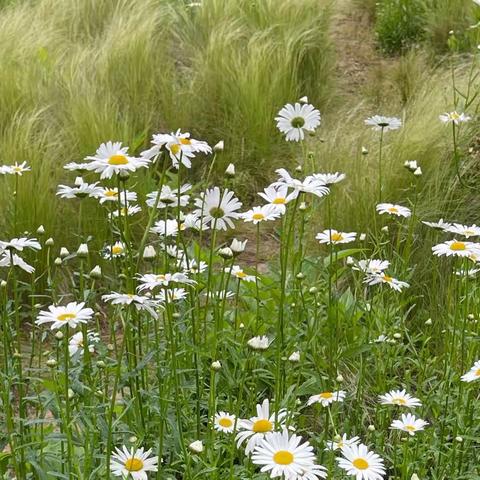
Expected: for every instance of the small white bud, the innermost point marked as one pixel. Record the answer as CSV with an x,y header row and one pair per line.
x,y
41,230
294,357
300,276
96,272
59,335
364,151
313,290
428,321
230,171
196,446
49,242
459,439
225,253
303,99
471,316
418,172
79,181
385,229
298,168
339,378
219,146
71,393
398,336
371,428
415,477
133,439
350,261
363,237
302,206
237,246
82,250
57,261
51,362
216,365
3,284
149,253
64,252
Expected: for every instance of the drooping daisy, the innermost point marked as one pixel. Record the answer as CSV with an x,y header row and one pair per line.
x,y
81,190
473,374
308,185
283,455
440,225
139,301
341,442
111,158
334,237
172,295
255,428
329,178
72,314
327,398
7,259
166,228
20,243
292,120
378,123
217,208
133,464
224,422
261,214
392,209
456,248
465,230
259,343
454,117
372,266
400,398
116,250
409,423
111,195
126,210
238,272
358,461
169,197
190,265
180,147
393,283
76,343
151,281
278,196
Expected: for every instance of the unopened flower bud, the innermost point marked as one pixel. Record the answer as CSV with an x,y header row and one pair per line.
x,y
385,229
64,252
418,172
133,439
294,357
41,230
298,168
459,439
363,237
96,272
49,242
302,207
51,362
57,261
123,175
313,290
71,393
339,378
218,147
300,276
101,364
428,321
364,151
371,428
398,336
3,284
82,251
216,365
196,446
59,335
149,253
225,253
230,171
303,99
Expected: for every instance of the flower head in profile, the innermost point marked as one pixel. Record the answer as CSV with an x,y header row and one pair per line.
x,y
278,196
169,197
456,248
166,228
294,120
284,455
358,461
224,422
466,231
126,210
255,428
440,225
392,209
111,159
381,123
342,442
383,278
16,169
259,343
334,237
399,398
237,272
261,214
454,117
329,178
80,190
327,398
308,185
133,464
72,314
76,343
180,147
20,244
372,266
116,250
409,423
151,281
140,302
217,208
473,374
111,195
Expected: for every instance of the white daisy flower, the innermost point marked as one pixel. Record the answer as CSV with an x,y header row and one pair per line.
x,y
342,442
400,398
372,266
166,228
392,209
261,214
81,190
292,120
409,423
308,185
111,195
179,146
139,301
169,197
79,167
20,244
116,250
111,158
133,464
378,123
282,455
150,281
470,272
238,272
237,246
456,248
393,283
128,210
76,342
17,169
254,429
454,117
190,265
473,374
440,225
217,209
72,314
224,422
334,237
278,196
358,461
327,398
7,258
196,446
172,295
329,178
259,343
465,230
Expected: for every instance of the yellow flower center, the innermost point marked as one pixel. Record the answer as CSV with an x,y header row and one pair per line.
x,y
185,141
410,428
225,422
134,464
111,193
399,401
65,317
17,169
175,148
393,210
360,463
326,395
477,373
280,201
241,274
454,116
160,277
118,160
117,249
258,216
336,237
283,457
387,278
262,426
456,246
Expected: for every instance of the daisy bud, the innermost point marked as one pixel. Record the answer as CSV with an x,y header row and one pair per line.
x,y
385,229
337,438
428,321
123,175
371,428
364,151
300,276
41,230
230,171
259,343
82,250
133,439
64,252
96,272
49,242
101,364
71,393
3,284
339,379
149,253
302,207
293,304
57,261
415,477
418,172
298,168
313,290
51,362
78,181
350,261
398,336
17,354
303,99
110,347
459,439
216,365
470,316
242,325
225,253
363,237
237,246
196,446
218,147
59,335
294,357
